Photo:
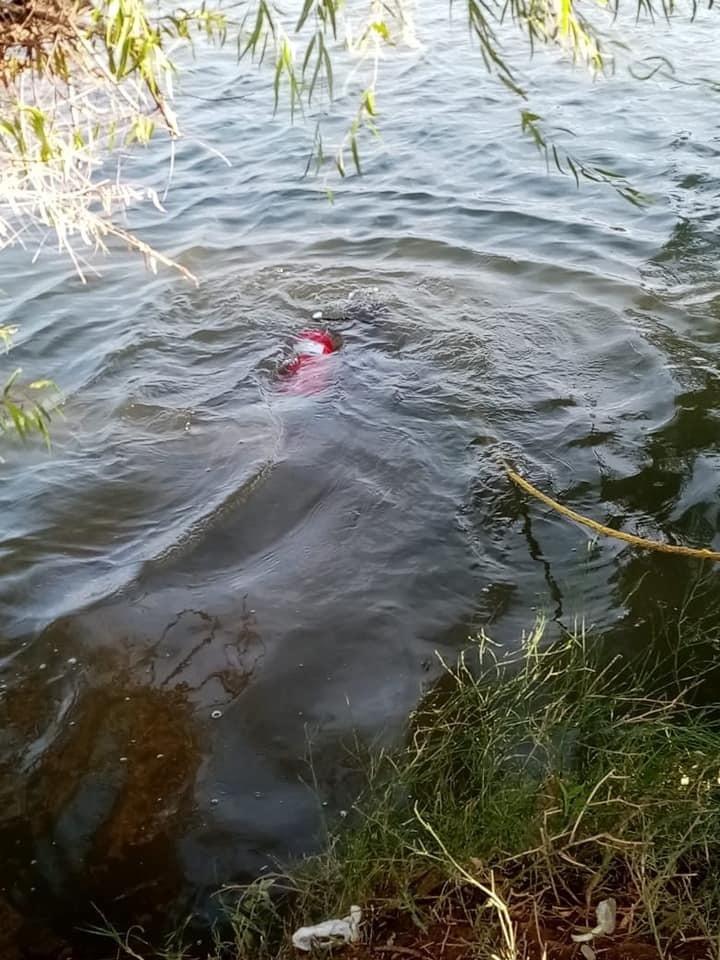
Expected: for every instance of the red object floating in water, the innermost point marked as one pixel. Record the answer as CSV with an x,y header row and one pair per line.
x,y
311,347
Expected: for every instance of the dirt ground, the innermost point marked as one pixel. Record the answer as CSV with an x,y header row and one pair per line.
x,y
456,935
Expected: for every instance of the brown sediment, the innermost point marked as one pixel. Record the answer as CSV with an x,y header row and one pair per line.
x,y
136,750
110,789
93,819
142,742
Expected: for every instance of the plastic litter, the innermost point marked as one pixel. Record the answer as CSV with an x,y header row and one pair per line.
x,y
329,933
311,344
605,912
305,366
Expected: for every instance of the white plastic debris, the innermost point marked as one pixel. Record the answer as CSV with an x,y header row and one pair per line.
x,y
605,912
330,932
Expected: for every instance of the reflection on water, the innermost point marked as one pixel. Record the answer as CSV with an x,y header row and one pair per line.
x,y
210,575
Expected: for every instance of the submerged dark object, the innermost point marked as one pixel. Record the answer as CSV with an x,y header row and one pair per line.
x,y
362,306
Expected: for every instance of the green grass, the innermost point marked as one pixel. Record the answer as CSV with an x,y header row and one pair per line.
x,y
531,786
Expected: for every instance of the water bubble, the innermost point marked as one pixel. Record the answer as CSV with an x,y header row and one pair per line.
x,y
258,794
43,666
216,714
123,759
72,661
159,756
214,802
33,863
343,813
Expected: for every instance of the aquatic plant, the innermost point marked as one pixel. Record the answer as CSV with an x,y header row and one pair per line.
x,y
25,408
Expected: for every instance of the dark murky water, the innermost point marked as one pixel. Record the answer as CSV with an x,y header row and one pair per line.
x,y
209,574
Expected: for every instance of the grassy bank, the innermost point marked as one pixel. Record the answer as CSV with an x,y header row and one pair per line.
x,y
531,787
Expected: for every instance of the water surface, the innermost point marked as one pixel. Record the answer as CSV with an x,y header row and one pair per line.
x,y
212,579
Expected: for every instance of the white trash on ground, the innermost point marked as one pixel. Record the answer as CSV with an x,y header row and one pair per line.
x,y
605,912
330,932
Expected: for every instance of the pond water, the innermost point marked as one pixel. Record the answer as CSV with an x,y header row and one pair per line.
x,y
214,590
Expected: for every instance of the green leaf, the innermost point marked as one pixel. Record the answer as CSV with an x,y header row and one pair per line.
x,y
17,416
308,52
11,380
304,14
328,70
329,7
355,152
573,170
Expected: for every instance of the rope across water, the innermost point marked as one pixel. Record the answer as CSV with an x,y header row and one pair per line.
x,y
697,552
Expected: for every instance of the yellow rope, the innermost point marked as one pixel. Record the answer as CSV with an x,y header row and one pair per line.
x,y
701,554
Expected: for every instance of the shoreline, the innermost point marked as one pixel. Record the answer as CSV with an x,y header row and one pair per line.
x,y
533,788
